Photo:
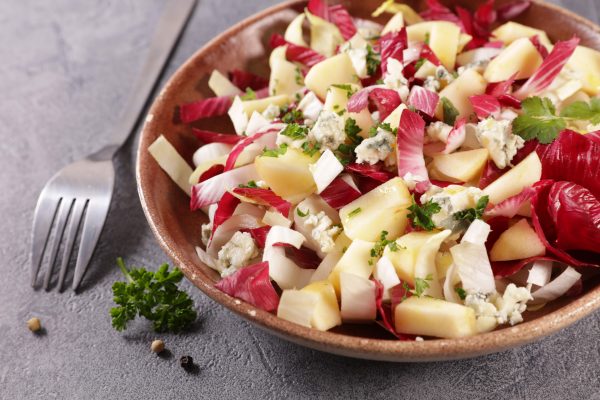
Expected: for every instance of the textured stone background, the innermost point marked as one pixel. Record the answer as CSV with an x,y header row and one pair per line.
x,y
65,69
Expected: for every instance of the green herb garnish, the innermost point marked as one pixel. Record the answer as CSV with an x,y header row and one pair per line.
x,y
380,245
354,212
302,214
383,126
538,120
311,148
279,151
420,63
420,215
347,87
461,293
154,296
249,95
471,214
580,110
299,78
291,116
421,285
373,61
295,131
250,184
450,112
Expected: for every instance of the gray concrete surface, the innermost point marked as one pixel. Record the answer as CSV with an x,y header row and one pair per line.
x,y
65,69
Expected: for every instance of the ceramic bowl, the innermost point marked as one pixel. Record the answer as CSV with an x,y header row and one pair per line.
x,y
177,229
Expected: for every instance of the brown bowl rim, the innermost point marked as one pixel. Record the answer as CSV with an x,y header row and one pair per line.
x,y
358,347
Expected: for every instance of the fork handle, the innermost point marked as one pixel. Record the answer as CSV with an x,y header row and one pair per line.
x,y
171,24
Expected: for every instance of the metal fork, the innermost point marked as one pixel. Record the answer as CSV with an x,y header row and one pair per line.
x,y
81,192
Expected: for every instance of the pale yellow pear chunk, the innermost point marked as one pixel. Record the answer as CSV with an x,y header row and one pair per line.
x,y
297,306
288,175
517,242
511,31
524,174
444,41
470,83
520,58
586,64
260,105
434,317
285,79
334,70
395,24
382,209
355,260
293,32
463,166
326,314
337,101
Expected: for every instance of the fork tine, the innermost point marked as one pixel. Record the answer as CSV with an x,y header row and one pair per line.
x,y
63,214
92,227
78,209
45,212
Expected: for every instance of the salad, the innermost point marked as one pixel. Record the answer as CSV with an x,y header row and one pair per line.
x,y
438,175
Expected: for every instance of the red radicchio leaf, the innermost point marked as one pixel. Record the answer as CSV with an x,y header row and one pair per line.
x,y
241,145
535,40
438,12
497,89
497,44
211,190
502,269
224,211
490,173
259,235
423,100
304,257
575,158
443,184
205,108
555,216
484,18
455,139
410,148
340,17
253,285
375,171
549,69
430,56
214,137
386,101
295,53
509,207
245,80
359,100
512,10
267,197
393,45
386,311
339,193
593,136
215,170
508,100
485,105
319,8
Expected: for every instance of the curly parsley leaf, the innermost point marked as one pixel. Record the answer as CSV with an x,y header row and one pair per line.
x,y
461,293
422,284
538,120
347,87
250,185
345,151
311,148
279,151
301,213
471,214
249,95
420,215
291,116
580,110
354,212
295,131
383,126
380,245
450,112
154,296
373,61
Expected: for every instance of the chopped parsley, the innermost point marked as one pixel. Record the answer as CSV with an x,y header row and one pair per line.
x,y
420,215
461,293
302,214
471,214
279,151
311,148
249,95
450,112
427,37
345,152
250,184
354,212
421,285
299,78
291,116
420,63
380,245
384,126
347,87
538,120
295,131
373,61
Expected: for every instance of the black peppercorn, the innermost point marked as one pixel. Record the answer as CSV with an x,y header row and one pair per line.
x,y
187,363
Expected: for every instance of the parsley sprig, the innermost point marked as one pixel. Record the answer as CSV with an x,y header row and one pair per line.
x,y
345,151
373,61
471,214
380,245
276,152
422,284
420,215
295,131
450,111
154,296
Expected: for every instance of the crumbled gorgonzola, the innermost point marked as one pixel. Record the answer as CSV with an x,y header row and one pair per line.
x,y
394,78
451,199
438,131
497,137
411,180
506,308
328,130
376,148
236,253
311,106
322,230
205,232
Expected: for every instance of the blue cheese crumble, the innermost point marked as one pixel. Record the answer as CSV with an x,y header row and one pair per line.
x,y
376,148
451,199
497,137
236,253
322,230
328,130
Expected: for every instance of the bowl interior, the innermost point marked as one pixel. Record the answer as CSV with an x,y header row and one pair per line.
x,y
245,46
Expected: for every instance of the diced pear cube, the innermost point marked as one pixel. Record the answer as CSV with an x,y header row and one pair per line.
x,y
221,85
285,78
337,100
434,317
357,298
334,70
287,175
586,63
327,312
356,260
524,174
298,306
260,105
517,242
293,32
470,83
405,257
511,31
382,209
395,24
520,57
463,166
332,258
443,41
